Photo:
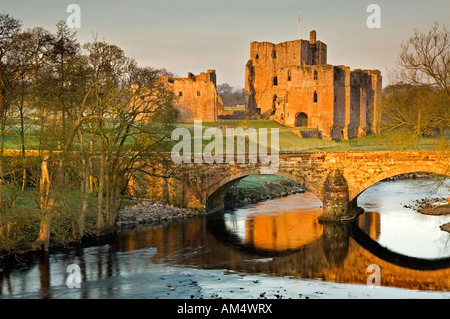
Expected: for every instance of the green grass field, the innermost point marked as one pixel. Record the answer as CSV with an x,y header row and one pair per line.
x,y
289,139
257,181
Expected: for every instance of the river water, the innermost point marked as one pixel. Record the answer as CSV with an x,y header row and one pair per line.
x,y
272,249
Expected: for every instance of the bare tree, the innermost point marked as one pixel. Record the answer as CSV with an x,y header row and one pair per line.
x,y
425,58
418,104
9,28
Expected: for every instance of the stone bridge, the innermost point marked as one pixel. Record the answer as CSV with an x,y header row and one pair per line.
x,y
337,178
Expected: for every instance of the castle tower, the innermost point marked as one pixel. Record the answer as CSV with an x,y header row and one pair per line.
x,y
291,83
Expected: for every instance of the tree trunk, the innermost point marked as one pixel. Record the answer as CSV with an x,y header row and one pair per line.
x,y
91,150
43,240
101,181
85,195
2,144
111,199
108,197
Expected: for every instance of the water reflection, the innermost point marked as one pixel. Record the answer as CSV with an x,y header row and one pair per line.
x,y
279,237
272,226
403,230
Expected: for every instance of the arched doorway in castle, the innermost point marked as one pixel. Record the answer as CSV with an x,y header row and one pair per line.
x,y
301,120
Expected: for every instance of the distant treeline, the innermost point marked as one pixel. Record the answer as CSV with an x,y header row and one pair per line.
x,y
231,96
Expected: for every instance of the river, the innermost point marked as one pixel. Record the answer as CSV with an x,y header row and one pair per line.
x,y
273,249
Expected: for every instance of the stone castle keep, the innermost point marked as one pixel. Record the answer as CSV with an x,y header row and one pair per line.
x,y
292,83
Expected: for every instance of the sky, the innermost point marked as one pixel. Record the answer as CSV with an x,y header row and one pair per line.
x,y
196,35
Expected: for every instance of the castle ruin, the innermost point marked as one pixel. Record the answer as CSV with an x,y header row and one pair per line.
x,y
292,83
197,97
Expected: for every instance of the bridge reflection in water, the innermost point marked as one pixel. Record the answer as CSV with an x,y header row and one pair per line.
x,y
260,239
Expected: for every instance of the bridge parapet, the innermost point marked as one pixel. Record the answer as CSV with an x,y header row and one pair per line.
x,y
202,186
320,172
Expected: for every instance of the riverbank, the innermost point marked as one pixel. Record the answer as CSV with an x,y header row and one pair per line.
x,y
147,211
190,260
257,188
433,207
250,190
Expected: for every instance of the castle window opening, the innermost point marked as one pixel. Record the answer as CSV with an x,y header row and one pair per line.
x,y
315,75
199,93
275,81
315,96
274,54
289,76
257,56
180,93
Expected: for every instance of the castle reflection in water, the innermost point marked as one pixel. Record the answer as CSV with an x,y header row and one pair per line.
x,y
259,240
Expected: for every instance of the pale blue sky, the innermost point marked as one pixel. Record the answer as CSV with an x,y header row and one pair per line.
x,y
195,35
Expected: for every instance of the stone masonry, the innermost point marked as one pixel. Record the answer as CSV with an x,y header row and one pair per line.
x,y
292,83
336,178
197,97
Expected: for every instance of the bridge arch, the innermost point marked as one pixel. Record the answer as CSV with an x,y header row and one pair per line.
x,y
219,188
438,170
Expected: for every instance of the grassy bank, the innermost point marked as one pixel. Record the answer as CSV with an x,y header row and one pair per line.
x,y
289,139
21,217
256,188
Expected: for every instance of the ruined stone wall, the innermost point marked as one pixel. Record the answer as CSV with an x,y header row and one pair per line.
x,y
311,90
373,107
197,97
291,78
314,52
266,62
266,59
341,110
366,88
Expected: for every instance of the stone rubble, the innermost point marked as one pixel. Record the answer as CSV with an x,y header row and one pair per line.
x,y
431,206
148,211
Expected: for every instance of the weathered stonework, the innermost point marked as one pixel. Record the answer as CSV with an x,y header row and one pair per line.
x,y
292,83
336,178
197,97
